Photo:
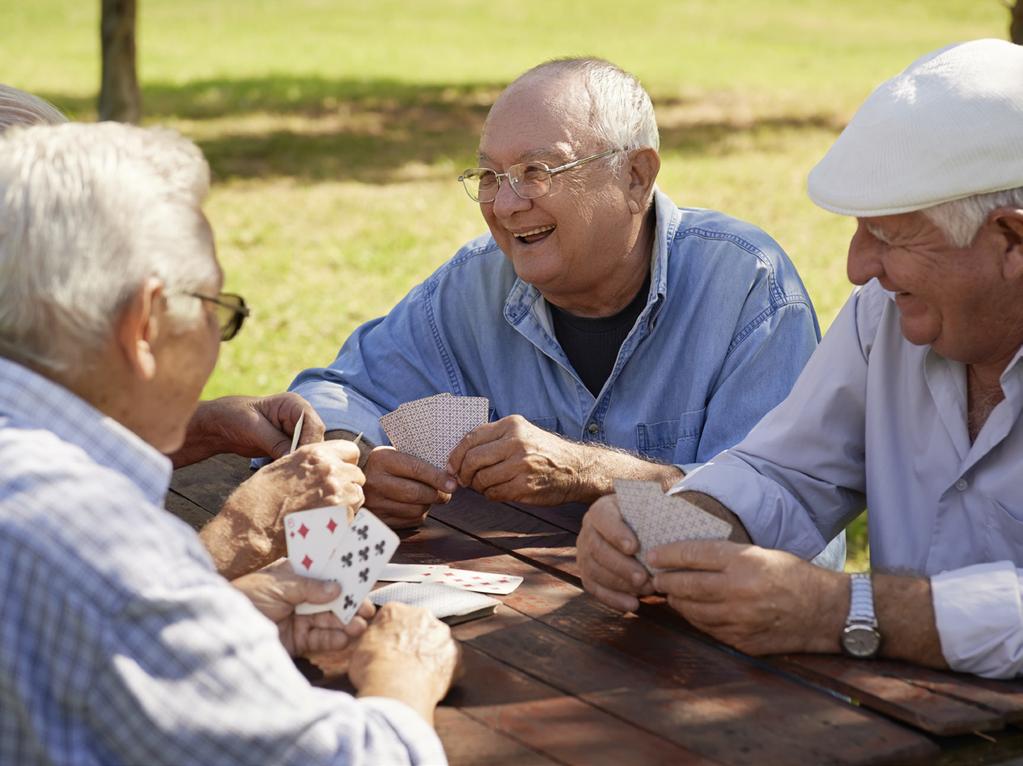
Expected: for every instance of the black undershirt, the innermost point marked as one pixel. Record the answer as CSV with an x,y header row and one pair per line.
x,y
592,345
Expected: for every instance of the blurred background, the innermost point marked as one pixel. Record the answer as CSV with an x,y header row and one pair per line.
x,y
335,129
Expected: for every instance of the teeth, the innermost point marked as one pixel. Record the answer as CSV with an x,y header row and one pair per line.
x,y
530,233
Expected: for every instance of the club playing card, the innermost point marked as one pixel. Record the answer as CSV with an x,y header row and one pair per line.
x,y
658,519
312,536
298,433
452,605
360,555
481,582
409,572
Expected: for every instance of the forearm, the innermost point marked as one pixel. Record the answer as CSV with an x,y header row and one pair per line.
x,y
905,617
602,465
236,545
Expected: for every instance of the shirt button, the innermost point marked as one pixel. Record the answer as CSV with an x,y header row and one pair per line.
x,y
593,428
962,484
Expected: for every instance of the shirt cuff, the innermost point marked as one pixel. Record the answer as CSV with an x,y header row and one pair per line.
x,y
978,614
418,737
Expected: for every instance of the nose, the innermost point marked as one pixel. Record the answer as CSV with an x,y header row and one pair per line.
x,y
864,262
507,202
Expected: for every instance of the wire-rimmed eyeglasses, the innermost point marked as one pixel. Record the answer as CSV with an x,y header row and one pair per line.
x,y
231,312
528,180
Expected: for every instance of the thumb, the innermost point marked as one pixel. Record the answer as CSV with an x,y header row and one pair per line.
x,y
296,589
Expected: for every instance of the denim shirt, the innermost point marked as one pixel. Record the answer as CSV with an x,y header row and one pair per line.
x,y
726,329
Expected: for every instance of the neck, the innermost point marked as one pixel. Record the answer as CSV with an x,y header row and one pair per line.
x,y
619,288
983,393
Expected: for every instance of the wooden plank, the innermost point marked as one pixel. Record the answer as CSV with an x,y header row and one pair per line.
x,y
870,685
653,651
755,718
208,483
194,515
515,713
568,517
467,742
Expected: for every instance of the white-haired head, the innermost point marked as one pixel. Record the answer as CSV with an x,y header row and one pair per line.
x,y
87,214
20,108
621,113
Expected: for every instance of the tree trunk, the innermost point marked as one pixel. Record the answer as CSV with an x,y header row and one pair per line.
x,y
119,97
1016,26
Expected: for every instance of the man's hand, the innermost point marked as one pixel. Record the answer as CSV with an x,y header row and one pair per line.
x,y
606,548
400,488
248,426
513,460
760,601
276,590
407,654
249,530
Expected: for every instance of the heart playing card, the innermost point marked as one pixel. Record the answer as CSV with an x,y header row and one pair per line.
x,y
481,582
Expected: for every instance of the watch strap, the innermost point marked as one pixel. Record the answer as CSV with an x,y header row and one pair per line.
x,y
861,602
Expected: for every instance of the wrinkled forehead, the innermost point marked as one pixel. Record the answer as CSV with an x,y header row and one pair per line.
x,y
540,118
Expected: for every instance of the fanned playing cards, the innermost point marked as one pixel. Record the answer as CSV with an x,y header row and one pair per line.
x,y
658,519
323,545
430,428
452,605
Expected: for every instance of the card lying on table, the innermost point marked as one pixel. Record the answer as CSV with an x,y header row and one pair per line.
x,y
321,544
658,519
430,428
452,605
481,582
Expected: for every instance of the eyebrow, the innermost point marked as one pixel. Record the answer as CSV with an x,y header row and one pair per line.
x,y
533,154
877,233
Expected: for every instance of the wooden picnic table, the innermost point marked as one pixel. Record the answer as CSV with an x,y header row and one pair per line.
x,y
554,677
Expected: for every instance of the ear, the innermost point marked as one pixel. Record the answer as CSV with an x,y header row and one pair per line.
x,y
1009,221
138,328
644,165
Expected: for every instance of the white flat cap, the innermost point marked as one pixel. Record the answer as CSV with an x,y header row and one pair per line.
x,y
950,126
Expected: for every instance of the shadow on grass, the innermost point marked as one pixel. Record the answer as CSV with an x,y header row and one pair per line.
x,y
377,131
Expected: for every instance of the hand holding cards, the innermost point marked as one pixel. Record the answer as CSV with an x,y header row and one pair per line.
x,y
321,544
658,519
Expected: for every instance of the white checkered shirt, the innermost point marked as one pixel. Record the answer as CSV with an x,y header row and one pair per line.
x,y
119,643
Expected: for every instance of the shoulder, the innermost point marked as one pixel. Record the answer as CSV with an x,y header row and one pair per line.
x,y
725,244
477,275
84,524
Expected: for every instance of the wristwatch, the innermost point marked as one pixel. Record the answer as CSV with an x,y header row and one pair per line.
x,y
860,637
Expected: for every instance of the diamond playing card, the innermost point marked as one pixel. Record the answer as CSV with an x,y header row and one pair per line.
x,y
322,545
311,537
480,582
658,519
451,605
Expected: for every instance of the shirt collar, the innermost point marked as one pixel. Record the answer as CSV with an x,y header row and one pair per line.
x,y
29,399
523,296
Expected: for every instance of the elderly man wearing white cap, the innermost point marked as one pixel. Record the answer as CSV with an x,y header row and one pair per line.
x,y
910,406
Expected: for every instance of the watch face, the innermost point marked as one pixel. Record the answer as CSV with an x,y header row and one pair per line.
x,y
861,641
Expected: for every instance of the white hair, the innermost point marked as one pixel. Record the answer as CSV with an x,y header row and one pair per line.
x,y
961,219
20,108
87,214
621,113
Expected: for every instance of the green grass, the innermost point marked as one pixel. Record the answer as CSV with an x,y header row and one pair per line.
x,y
335,129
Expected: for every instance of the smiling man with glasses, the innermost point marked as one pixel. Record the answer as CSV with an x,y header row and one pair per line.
x,y
615,334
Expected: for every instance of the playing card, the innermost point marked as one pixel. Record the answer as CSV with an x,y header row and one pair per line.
x,y
658,519
298,433
481,582
360,555
409,572
429,428
312,536
444,602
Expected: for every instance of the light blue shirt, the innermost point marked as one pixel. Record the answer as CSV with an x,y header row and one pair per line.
x,y
119,643
877,422
725,331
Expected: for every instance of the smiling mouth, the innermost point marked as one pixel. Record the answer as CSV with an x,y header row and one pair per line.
x,y
534,235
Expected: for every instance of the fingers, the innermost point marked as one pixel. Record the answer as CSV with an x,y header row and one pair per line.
x,y
387,460
697,587
606,519
482,434
400,488
609,572
333,451
709,555
606,564
622,602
